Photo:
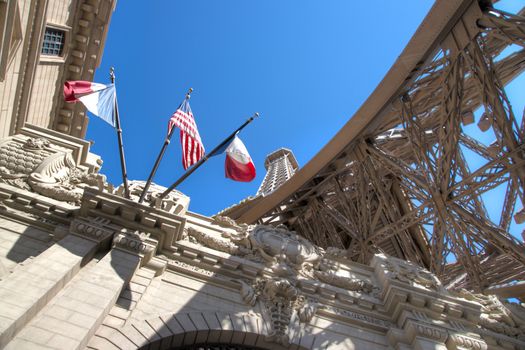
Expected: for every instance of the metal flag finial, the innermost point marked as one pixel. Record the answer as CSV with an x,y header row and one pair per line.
x,y
112,75
188,95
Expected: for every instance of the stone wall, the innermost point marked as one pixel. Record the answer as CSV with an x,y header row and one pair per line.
x,y
83,267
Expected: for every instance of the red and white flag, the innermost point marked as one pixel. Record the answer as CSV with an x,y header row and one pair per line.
x,y
99,99
192,148
238,164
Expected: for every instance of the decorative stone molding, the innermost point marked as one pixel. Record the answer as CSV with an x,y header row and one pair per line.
x,y
280,299
37,160
415,329
213,242
137,243
93,229
227,222
163,227
367,319
284,252
406,272
501,318
175,202
462,342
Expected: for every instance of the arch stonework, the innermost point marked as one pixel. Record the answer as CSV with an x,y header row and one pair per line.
x,y
194,328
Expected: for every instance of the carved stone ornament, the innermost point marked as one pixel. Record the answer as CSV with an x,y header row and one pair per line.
x,y
410,273
227,222
94,229
290,258
284,252
136,242
46,169
175,202
502,318
281,300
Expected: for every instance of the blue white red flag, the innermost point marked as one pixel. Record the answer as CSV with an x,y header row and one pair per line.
x,y
238,164
99,99
192,147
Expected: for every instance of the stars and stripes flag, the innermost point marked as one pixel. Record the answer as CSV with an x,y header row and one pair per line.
x,y
192,148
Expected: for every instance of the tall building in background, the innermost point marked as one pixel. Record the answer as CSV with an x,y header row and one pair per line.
x,y
42,44
280,166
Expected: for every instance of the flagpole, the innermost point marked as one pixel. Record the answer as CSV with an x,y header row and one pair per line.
x,y
119,138
159,157
203,160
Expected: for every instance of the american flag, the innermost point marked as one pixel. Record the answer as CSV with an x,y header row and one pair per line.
x,y
192,148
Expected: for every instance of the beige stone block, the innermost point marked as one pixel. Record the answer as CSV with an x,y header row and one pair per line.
x,y
61,327
201,326
60,342
307,341
214,326
133,296
59,312
79,306
189,328
226,325
101,344
141,280
238,329
22,344
95,300
251,323
10,311
175,328
15,298
36,334
81,320
119,312
114,322
163,331
122,342
146,273
138,288
148,332
104,278
126,303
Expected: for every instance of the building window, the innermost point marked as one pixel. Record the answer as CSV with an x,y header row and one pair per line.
x,y
53,44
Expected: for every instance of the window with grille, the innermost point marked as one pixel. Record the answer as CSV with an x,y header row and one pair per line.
x,y
53,42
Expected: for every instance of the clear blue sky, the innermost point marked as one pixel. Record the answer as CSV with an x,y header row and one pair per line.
x,y
306,66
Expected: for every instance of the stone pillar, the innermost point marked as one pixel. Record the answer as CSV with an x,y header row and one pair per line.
x,y
29,289
73,316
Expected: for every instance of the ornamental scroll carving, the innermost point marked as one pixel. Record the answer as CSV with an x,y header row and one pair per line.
x,y
280,299
410,273
290,258
284,252
37,164
175,202
499,317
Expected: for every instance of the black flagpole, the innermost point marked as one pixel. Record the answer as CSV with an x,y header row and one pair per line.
x,y
119,137
159,157
203,160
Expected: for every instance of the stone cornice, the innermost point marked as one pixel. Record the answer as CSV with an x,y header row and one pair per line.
x,y
87,43
165,228
34,209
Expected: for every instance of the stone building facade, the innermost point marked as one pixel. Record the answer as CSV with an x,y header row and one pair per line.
x,y
83,267
42,44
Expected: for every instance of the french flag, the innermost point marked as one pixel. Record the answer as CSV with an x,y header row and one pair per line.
x,y
238,164
99,99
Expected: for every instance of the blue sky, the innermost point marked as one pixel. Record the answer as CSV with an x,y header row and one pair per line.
x,y
306,66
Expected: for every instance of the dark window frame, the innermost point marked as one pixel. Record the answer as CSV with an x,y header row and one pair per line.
x,y
54,42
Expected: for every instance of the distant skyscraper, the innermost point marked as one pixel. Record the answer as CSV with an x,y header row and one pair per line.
x,y
280,166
